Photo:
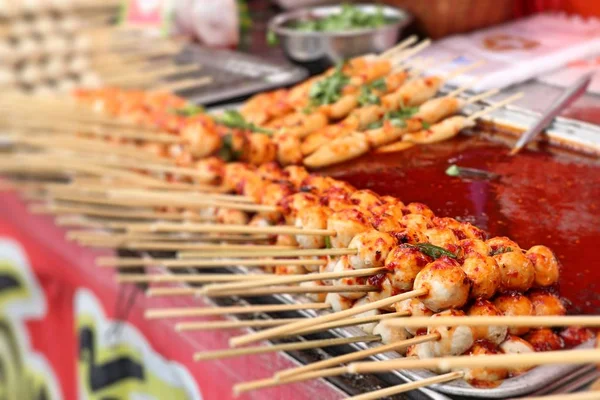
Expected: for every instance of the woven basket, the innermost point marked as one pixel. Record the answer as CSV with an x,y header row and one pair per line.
x,y
438,18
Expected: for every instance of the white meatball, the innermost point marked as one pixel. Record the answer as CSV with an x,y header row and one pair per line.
x,y
368,327
328,268
442,237
274,194
404,262
385,287
317,297
312,217
484,273
228,216
386,223
446,283
391,334
416,308
337,302
516,345
454,340
484,376
343,265
494,334
347,223
365,199
417,222
372,249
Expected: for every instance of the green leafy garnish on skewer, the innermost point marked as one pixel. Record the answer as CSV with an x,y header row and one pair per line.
x,y
433,251
328,90
187,111
328,242
501,250
368,93
227,152
233,119
396,118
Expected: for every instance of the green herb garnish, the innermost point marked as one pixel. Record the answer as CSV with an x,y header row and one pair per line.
x,y
272,39
328,242
425,125
350,17
453,170
328,90
188,111
233,119
227,152
375,125
501,250
433,251
368,93
470,173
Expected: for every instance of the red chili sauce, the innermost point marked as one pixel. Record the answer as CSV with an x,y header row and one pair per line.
x,y
545,196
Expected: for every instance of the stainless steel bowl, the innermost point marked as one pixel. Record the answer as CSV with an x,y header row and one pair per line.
x,y
327,48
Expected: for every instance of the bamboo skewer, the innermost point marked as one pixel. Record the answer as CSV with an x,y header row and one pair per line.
x,y
309,344
123,238
247,309
495,106
406,387
220,325
296,326
207,228
281,280
294,290
174,195
566,357
269,382
180,278
409,41
185,84
170,246
268,252
357,355
516,321
170,263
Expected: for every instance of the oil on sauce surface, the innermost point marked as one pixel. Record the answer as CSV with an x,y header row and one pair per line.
x,y
542,197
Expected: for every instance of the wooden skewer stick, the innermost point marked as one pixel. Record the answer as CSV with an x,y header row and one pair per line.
x,y
171,246
406,387
352,321
356,355
187,278
482,96
296,326
409,41
116,193
186,84
123,238
495,106
220,325
270,382
284,280
308,344
247,309
267,253
461,70
566,357
295,290
405,55
269,230
170,263
517,321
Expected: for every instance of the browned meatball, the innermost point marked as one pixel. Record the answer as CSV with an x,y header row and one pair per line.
x,y
416,221
516,345
410,236
446,283
295,175
484,274
347,223
546,303
493,334
273,195
297,201
442,237
502,244
474,246
574,336
271,172
262,149
515,304
404,262
212,169
545,264
421,209
365,199
544,339
372,248
385,223
516,269
484,377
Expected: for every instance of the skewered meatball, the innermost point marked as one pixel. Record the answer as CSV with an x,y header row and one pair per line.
x,y
421,209
342,265
315,184
545,264
313,268
337,199
368,327
484,376
258,220
546,303
347,223
297,201
574,336
383,282
462,230
442,237
231,217
514,304
253,186
417,222
202,138
421,351
409,236
365,199
544,339
416,308
516,345
516,269
274,194
446,283
312,217
338,303
317,297
213,168
290,270
295,175
392,200
493,333
391,334
385,223
271,172
262,149
454,340
404,262
373,248
288,149
484,274
474,246
328,268
286,240
236,174
502,244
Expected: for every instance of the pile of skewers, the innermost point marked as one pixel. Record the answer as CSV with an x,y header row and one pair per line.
x,y
56,50
434,288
